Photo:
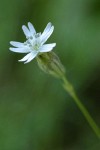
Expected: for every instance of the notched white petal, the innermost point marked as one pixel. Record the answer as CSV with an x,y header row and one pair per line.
x,y
26,57
33,55
47,47
47,28
17,44
31,28
19,50
26,31
45,37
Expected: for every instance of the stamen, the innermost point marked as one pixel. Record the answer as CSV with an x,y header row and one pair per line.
x,y
37,35
31,37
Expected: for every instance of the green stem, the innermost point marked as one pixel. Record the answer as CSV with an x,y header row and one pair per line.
x,y
69,88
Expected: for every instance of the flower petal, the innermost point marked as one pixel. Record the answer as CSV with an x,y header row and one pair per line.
x,y
31,28
47,35
47,47
47,29
26,31
16,44
26,57
31,57
20,50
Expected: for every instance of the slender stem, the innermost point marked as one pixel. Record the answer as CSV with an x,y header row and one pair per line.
x,y
69,88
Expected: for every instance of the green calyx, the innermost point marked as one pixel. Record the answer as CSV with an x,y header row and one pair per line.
x,y
50,63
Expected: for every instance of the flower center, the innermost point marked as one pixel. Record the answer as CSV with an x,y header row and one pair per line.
x,y
36,46
33,42
37,35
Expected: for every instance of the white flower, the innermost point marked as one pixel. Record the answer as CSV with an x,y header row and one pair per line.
x,y
34,44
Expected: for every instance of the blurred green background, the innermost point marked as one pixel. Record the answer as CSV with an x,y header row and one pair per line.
x,y
35,112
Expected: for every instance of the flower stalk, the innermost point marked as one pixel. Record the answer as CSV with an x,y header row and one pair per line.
x,y
69,88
